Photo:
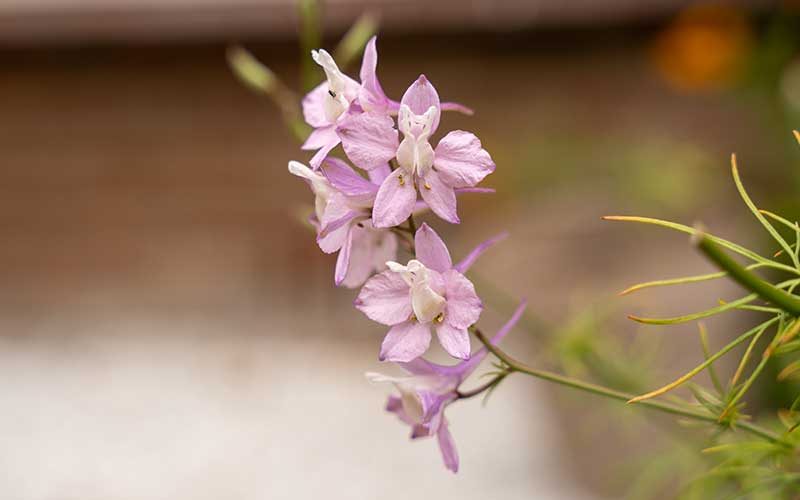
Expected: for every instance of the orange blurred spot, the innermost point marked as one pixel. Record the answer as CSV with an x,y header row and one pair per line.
x,y
705,47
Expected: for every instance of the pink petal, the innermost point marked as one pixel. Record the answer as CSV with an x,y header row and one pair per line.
x,y
384,248
343,260
454,340
476,252
369,139
420,96
320,137
313,107
463,305
370,94
332,237
345,179
405,341
440,197
461,161
361,257
378,174
335,224
447,447
320,155
454,106
431,250
395,201
385,298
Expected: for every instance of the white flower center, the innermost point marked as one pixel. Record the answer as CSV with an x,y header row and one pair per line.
x,y
415,153
335,102
426,303
319,185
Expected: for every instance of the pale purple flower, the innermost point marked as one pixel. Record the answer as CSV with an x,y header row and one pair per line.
x,y
429,388
342,218
427,292
332,101
458,161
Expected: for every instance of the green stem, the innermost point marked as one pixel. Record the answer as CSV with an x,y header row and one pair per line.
x,y
483,388
747,279
517,366
310,38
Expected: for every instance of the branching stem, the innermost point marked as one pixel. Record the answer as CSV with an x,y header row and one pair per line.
x,y
517,366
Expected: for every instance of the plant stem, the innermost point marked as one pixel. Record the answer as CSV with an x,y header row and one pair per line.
x,y
517,366
747,279
483,388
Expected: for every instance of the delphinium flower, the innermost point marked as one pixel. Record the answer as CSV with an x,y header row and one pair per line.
x,y
339,99
458,161
342,218
429,291
429,388
329,102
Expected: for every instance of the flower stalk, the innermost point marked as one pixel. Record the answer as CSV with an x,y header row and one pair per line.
x,y
517,366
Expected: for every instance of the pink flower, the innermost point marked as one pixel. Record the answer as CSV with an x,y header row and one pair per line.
x,y
429,388
458,161
427,292
342,218
331,101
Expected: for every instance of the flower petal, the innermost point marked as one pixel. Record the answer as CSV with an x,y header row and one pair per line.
x,y
369,139
476,252
320,137
454,340
395,200
370,94
320,155
345,179
405,341
447,447
420,96
431,250
378,174
385,298
454,106
463,305
343,259
362,259
461,161
440,197
314,107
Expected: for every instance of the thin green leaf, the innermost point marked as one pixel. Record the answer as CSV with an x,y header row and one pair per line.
x,y
719,241
752,206
712,372
746,357
706,363
680,281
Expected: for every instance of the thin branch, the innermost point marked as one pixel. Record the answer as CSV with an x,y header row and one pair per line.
x,y
517,366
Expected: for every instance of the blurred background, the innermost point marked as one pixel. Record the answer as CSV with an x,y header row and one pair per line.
x,y
169,330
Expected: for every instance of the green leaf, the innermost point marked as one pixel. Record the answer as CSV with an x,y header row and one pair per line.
x,y
752,206
706,363
719,241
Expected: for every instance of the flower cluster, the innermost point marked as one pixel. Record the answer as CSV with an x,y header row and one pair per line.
x,y
364,210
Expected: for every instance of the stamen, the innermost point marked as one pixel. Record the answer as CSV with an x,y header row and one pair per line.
x,y
332,93
412,317
402,181
427,186
439,318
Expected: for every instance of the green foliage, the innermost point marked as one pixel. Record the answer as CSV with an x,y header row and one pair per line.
x,y
767,467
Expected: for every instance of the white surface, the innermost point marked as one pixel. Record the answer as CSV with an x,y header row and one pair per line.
x,y
193,411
